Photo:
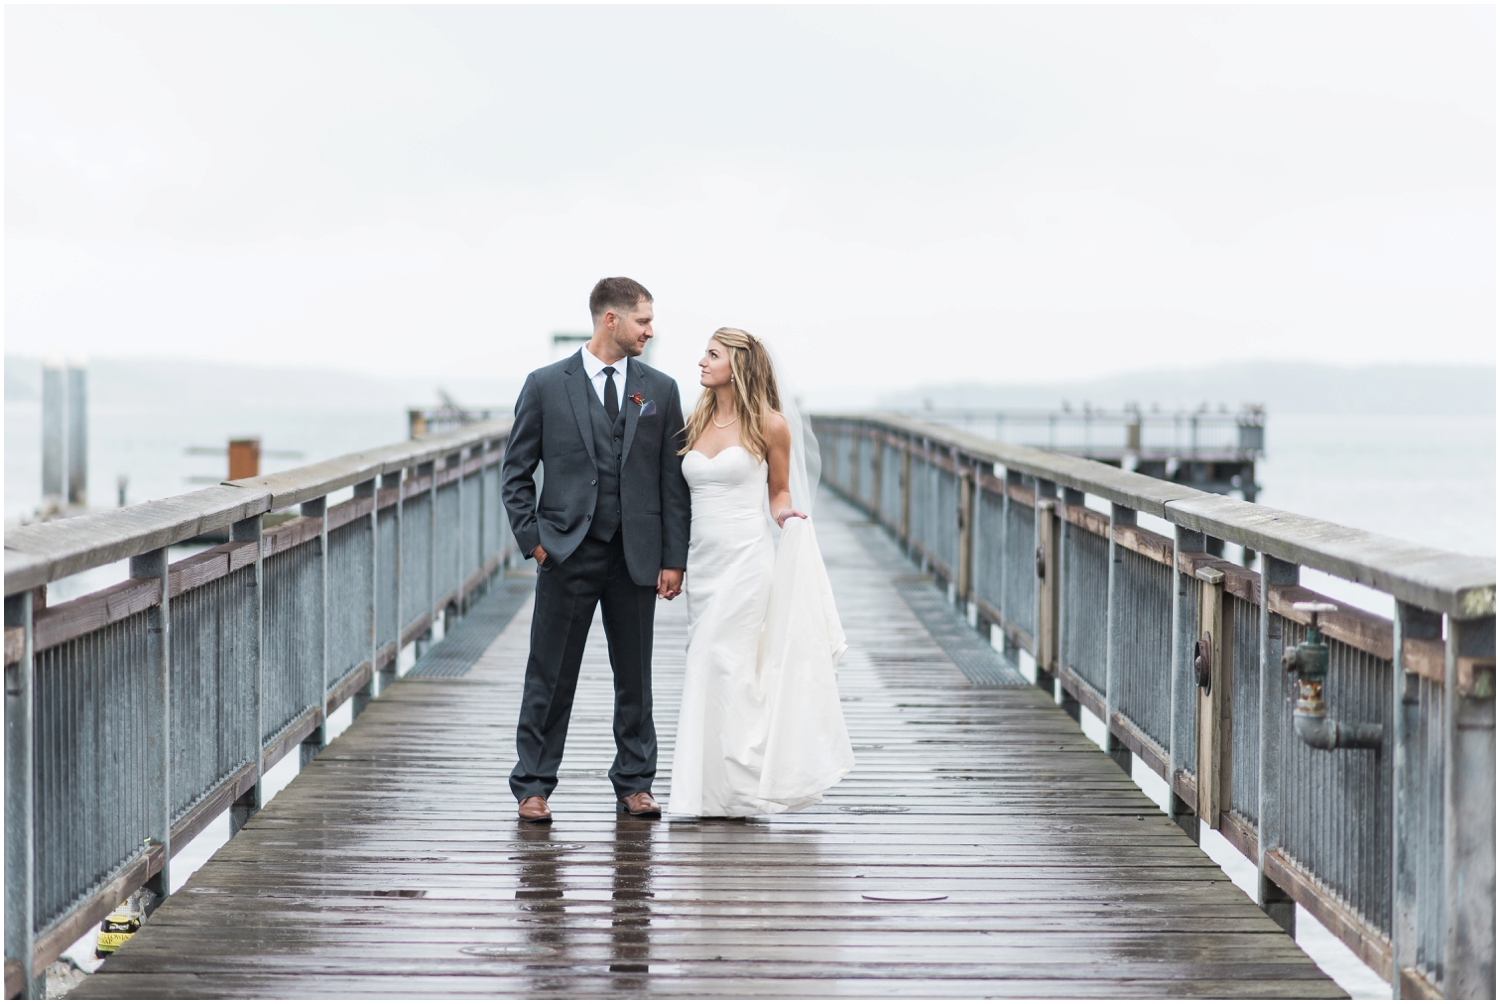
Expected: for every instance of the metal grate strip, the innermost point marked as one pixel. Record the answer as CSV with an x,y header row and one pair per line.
x,y
976,660
457,653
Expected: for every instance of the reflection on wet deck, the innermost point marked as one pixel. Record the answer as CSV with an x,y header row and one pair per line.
x,y
393,865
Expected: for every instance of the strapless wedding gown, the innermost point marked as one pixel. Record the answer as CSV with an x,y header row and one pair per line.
x,y
761,729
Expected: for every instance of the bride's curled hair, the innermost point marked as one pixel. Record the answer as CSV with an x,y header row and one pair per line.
x,y
754,384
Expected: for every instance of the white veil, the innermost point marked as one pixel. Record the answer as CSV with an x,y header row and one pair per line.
x,y
806,466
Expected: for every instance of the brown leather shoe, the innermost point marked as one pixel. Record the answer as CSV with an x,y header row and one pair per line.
x,y
534,810
641,804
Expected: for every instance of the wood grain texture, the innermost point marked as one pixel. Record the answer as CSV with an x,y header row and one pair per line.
x,y
76,618
15,644
393,865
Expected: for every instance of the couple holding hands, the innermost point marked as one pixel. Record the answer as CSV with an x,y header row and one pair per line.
x,y
638,504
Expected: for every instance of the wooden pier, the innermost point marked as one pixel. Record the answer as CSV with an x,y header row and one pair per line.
x,y
393,865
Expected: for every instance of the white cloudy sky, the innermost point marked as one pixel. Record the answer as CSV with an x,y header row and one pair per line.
x,y
891,194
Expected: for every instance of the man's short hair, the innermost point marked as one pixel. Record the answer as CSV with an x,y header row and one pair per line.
x,y
619,294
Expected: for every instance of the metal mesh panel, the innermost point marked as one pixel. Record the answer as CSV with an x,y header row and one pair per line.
x,y
1191,597
213,685
866,482
292,648
387,588
1429,749
1337,803
945,519
1143,590
834,461
416,547
1244,770
1020,568
890,486
1085,602
471,551
491,540
447,535
989,561
349,584
920,492
89,700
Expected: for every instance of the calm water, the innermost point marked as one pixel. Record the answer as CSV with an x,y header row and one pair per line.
x,y
1426,479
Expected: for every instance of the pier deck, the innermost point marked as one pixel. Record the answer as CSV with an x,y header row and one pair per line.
x,y
393,865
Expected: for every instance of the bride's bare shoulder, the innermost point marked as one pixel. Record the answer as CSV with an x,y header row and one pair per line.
x,y
776,430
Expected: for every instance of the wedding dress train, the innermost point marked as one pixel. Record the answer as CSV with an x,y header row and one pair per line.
x,y
761,729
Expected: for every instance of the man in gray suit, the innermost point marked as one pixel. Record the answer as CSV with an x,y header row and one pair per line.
x,y
610,528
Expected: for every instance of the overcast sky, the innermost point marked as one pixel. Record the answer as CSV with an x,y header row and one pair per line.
x,y
891,195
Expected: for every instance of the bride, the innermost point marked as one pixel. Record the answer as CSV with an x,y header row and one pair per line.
x,y
761,729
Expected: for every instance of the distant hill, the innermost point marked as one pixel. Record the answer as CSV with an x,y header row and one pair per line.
x,y
1285,388
122,383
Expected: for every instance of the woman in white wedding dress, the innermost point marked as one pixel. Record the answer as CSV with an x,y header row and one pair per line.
x,y
761,729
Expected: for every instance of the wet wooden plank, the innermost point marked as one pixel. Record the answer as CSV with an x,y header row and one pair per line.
x,y
394,866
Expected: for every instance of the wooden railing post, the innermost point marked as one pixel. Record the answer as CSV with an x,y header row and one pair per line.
x,y
1216,641
317,676
249,803
1114,640
1184,688
976,547
906,495
877,477
20,806
1469,810
153,565
966,497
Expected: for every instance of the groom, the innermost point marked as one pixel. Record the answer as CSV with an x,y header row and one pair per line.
x,y
610,529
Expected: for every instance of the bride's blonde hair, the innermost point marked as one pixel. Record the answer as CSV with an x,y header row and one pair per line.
x,y
754,383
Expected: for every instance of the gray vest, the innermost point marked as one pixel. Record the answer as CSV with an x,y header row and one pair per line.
x,y
609,443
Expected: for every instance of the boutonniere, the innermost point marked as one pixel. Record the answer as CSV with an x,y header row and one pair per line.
x,y
648,408
638,399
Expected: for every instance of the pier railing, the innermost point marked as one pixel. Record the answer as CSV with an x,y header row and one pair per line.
x,y
1361,782
137,714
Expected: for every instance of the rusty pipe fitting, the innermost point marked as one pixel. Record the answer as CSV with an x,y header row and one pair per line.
x,y
1310,720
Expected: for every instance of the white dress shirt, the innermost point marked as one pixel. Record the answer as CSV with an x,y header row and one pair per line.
x,y
594,367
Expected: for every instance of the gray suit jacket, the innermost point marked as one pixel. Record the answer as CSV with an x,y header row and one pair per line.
x,y
552,427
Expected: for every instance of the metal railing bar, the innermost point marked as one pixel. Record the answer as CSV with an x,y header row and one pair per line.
x,y
1457,584
1460,585
1139,492
44,552
303,484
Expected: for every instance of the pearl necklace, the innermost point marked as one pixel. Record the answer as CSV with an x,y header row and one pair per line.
x,y
726,424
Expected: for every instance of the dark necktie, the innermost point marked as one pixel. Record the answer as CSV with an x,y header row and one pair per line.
x,y
611,395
